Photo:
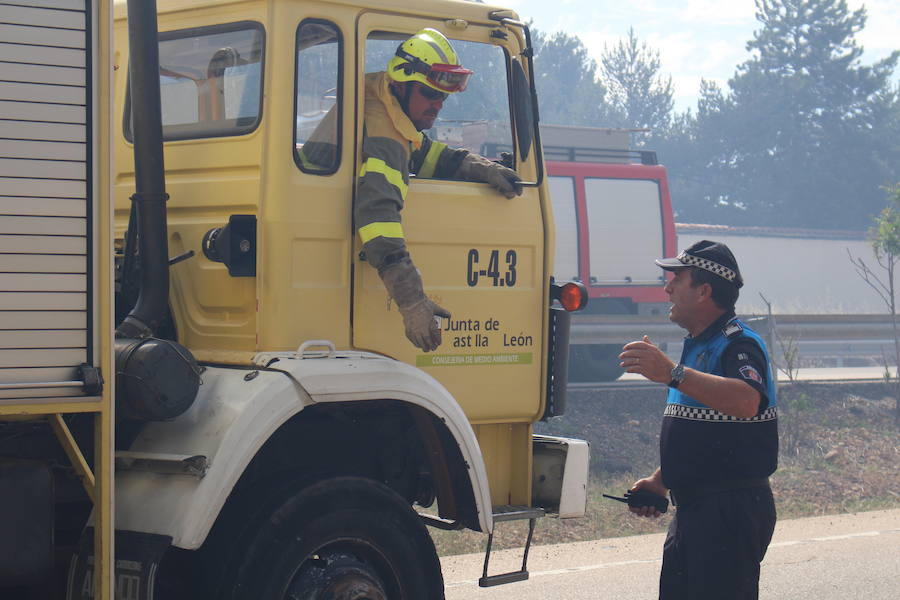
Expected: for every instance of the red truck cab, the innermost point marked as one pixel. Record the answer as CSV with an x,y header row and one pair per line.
x,y
613,216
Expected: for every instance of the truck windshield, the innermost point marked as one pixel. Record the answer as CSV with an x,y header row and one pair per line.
x,y
619,212
562,190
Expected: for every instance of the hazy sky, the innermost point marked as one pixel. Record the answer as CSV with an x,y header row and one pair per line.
x,y
695,38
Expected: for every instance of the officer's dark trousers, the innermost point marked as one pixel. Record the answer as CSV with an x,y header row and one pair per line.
x,y
715,544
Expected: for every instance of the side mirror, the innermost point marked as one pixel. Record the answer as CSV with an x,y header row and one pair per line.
x,y
524,110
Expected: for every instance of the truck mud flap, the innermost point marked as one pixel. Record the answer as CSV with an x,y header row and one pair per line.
x,y
137,561
26,535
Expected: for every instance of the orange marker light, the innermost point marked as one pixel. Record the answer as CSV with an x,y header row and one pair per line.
x,y
573,296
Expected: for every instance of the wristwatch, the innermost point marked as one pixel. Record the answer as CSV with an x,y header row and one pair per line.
x,y
677,375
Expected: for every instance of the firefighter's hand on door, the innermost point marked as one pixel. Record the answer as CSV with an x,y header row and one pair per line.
x,y
504,180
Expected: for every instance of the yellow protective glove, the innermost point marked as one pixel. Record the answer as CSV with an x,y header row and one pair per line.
x,y
404,285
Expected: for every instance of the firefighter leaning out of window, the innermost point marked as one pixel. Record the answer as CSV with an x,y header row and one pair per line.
x,y
401,103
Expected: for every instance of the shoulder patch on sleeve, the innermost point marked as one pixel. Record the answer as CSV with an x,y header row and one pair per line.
x,y
750,372
732,329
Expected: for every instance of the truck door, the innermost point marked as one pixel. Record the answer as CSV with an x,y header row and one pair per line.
x,y
480,254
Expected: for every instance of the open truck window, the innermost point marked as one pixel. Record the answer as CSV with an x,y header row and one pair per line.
x,y
475,119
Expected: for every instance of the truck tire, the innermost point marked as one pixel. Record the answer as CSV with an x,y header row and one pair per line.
x,y
346,538
594,362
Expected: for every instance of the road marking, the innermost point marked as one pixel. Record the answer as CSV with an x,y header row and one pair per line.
x,y
625,563
833,538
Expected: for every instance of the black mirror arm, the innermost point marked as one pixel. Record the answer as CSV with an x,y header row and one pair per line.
x,y
528,54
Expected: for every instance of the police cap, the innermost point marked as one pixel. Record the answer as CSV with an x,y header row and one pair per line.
x,y
714,257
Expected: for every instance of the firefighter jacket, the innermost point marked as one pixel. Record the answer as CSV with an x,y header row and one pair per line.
x,y
392,149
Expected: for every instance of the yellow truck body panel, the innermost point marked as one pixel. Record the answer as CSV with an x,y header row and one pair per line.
x,y
483,257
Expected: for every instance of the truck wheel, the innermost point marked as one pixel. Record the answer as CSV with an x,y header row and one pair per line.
x,y
347,538
594,362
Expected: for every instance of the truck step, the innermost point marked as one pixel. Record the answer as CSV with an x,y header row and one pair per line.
x,y
510,513
156,462
517,513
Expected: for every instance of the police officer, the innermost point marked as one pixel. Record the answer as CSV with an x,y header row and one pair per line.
x,y
719,438
400,104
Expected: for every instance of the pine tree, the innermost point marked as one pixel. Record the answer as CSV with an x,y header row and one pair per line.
x,y
700,156
568,89
812,133
631,72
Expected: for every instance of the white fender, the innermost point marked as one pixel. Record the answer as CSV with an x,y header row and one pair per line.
x,y
235,413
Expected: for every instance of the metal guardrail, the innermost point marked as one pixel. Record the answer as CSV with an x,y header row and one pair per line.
x,y
617,329
629,385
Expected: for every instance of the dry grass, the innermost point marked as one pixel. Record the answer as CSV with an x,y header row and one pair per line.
x,y
842,457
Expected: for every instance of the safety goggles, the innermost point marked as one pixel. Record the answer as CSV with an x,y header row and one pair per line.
x,y
431,94
447,78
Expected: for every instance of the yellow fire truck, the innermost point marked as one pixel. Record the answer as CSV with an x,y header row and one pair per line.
x,y
205,391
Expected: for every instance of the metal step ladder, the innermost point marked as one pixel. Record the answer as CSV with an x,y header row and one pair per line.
x,y
510,513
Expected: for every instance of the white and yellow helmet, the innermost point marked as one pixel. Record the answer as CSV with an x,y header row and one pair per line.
x,y
428,58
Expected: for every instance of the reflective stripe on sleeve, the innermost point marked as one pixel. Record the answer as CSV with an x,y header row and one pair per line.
x,y
374,230
394,177
306,163
431,160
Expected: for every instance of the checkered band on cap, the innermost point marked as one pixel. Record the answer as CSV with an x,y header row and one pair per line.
x,y
711,266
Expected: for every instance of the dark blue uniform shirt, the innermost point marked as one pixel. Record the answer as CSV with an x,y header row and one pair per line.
x,y
701,445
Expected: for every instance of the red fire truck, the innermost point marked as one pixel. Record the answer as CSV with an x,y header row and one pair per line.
x,y
613,216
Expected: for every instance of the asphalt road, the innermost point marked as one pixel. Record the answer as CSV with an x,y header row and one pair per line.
x,y
854,556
